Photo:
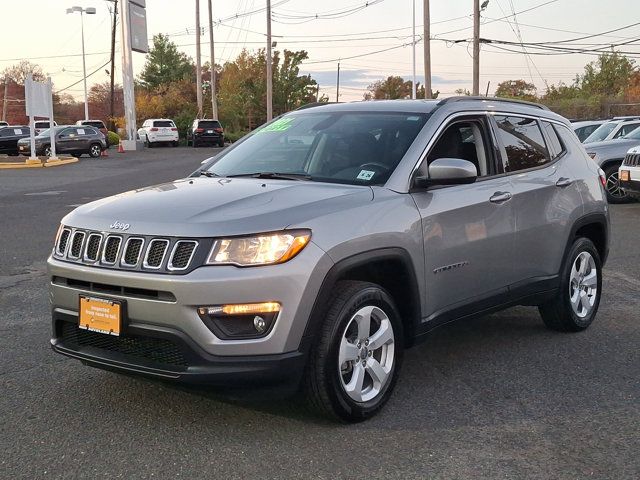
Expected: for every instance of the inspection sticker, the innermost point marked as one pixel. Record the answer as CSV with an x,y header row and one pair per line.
x,y
365,175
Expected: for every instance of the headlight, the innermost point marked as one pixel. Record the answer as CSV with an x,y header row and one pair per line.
x,y
264,249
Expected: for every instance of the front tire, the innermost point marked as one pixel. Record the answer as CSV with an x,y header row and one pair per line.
x,y
615,194
577,302
355,360
95,150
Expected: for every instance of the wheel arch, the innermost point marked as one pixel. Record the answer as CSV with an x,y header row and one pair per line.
x,y
392,269
595,227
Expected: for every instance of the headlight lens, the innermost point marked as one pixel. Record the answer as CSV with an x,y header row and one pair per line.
x,y
264,249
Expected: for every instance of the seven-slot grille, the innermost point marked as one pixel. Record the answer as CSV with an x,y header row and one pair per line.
x,y
76,244
632,160
127,252
181,255
93,247
132,252
155,253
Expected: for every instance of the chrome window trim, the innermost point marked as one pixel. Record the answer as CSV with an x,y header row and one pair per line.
x,y
84,250
106,240
146,255
124,252
170,266
73,236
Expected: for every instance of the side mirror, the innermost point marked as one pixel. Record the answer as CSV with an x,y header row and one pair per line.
x,y
448,171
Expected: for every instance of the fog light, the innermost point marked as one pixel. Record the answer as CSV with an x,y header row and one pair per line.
x,y
260,324
236,321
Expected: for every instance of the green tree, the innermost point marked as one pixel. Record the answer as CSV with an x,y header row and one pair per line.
x,y
518,89
165,64
392,88
608,76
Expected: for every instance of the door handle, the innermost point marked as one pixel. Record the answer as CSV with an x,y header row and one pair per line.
x,y
563,182
500,197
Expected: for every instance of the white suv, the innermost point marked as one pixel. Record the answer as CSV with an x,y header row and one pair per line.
x,y
159,130
614,129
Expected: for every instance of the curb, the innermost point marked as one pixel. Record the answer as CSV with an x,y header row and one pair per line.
x,y
37,163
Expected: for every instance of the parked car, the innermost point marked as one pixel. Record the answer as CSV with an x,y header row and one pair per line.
x,y
609,155
159,130
41,125
97,124
70,139
205,131
629,173
4,124
319,261
612,130
585,128
9,137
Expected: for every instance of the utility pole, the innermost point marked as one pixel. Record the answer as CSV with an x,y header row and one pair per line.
x,y
113,65
198,67
214,102
338,85
427,50
476,48
413,42
4,100
269,73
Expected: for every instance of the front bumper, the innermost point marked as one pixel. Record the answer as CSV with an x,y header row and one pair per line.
x,y
171,137
173,312
169,354
631,186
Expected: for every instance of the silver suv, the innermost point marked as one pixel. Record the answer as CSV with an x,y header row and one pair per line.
x,y
320,246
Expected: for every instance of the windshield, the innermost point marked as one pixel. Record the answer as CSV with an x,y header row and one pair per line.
x,y
354,147
94,124
633,134
601,132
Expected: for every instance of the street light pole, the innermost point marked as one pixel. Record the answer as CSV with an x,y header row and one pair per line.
x,y
88,11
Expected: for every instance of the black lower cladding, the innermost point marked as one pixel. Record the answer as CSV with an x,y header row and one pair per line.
x,y
170,354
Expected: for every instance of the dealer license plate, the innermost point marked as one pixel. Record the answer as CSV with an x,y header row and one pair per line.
x,y
100,315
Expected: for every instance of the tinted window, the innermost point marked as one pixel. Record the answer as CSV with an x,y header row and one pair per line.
x,y
555,147
523,143
209,124
163,123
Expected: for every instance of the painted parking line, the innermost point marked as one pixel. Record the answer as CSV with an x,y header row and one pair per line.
x,y
49,193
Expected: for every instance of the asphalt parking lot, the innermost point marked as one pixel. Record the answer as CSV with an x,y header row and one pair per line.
x,y
498,397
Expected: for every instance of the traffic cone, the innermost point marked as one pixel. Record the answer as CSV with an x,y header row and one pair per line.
x,y
104,153
120,147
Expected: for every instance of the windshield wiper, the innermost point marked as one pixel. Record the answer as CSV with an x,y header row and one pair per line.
x,y
207,173
274,175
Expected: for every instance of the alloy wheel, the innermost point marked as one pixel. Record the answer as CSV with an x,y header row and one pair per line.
x,y
366,357
613,185
583,284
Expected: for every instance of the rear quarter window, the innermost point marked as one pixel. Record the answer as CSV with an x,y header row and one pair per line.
x,y
555,146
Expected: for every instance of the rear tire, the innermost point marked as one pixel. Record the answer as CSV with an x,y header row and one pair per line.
x,y
614,193
355,360
578,299
221,143
95,150
194,144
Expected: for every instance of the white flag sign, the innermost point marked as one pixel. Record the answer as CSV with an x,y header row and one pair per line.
x,y
38,98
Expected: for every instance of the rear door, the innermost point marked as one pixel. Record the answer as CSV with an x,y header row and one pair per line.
x,y
468,230
545,196
66,140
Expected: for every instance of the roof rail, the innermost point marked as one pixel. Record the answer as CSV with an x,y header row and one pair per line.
x,y
492,99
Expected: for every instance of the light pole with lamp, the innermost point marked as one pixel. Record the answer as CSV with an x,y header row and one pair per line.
x,y
88,11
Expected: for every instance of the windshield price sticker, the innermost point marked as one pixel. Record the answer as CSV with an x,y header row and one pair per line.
x,y
281,125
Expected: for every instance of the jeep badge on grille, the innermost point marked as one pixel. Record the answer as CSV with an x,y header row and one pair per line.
x,y
120,226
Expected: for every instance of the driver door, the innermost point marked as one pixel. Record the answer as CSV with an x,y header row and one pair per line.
x,y
468,230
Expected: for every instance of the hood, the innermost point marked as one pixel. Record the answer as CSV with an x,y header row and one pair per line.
x,y
204,207
611,148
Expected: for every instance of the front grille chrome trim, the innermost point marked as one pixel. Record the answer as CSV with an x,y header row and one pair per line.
x,y
85,256
170,266
74,235
104,250
145,263
123,261
59,252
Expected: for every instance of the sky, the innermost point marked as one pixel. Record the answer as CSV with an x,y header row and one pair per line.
x,y
53,39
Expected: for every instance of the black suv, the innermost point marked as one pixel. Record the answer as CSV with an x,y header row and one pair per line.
x,y
203,131
9,137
